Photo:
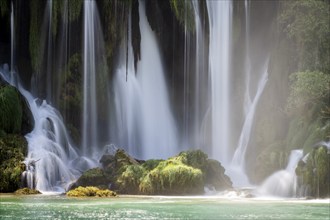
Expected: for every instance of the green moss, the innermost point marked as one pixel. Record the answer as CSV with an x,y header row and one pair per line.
x,y
75,7
90,191
93,177
315,172
11,110
4,7
172,177
183,11
129,180
13,149
34,37
27,191
151,164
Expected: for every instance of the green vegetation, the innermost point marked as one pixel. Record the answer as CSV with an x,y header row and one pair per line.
x,y
315,173
90,191
173,177
11,110
306,23
129,180
183,11
27,191
13,149
34,34
4,7
186,173
92,177
309,88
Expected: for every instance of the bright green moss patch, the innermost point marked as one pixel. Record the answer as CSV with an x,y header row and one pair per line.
x,y
27,191
90,191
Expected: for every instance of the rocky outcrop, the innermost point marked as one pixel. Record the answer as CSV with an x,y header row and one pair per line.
x,y
187,173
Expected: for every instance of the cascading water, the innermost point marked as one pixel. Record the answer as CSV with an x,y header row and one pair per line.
x,y
220,21
144,117
237,167
247,97
92,64
52,161
282,183
200,83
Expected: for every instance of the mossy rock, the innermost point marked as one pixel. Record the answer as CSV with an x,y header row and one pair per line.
x,y
92,177
13,149
128,181
215,176
27,191
271,159
90,191
172,177
15,114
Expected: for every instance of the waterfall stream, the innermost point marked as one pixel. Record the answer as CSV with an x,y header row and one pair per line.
x,y
284,182
53,163
143,113
220,19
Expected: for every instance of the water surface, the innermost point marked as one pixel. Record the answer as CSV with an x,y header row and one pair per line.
x,y
159,207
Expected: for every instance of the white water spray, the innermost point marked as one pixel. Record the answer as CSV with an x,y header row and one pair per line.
x,y
282,183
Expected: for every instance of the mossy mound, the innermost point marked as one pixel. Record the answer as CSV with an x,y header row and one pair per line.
x,y
187,173
27,191
13,149
172,177
90,191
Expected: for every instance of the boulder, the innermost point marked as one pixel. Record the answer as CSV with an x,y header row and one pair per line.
x,y
215,176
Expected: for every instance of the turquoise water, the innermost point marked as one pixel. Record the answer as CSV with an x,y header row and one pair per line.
x,y
61,207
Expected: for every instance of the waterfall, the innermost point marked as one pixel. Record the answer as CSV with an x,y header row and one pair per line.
x,y
282,183
93,62
237,168
200,97
52,161
247,66
144,118
220,22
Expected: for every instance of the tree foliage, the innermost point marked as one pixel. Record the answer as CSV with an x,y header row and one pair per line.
x,y
309,88
306,22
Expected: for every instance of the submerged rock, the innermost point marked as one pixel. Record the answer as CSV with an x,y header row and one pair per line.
x,y
27,191
90,191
